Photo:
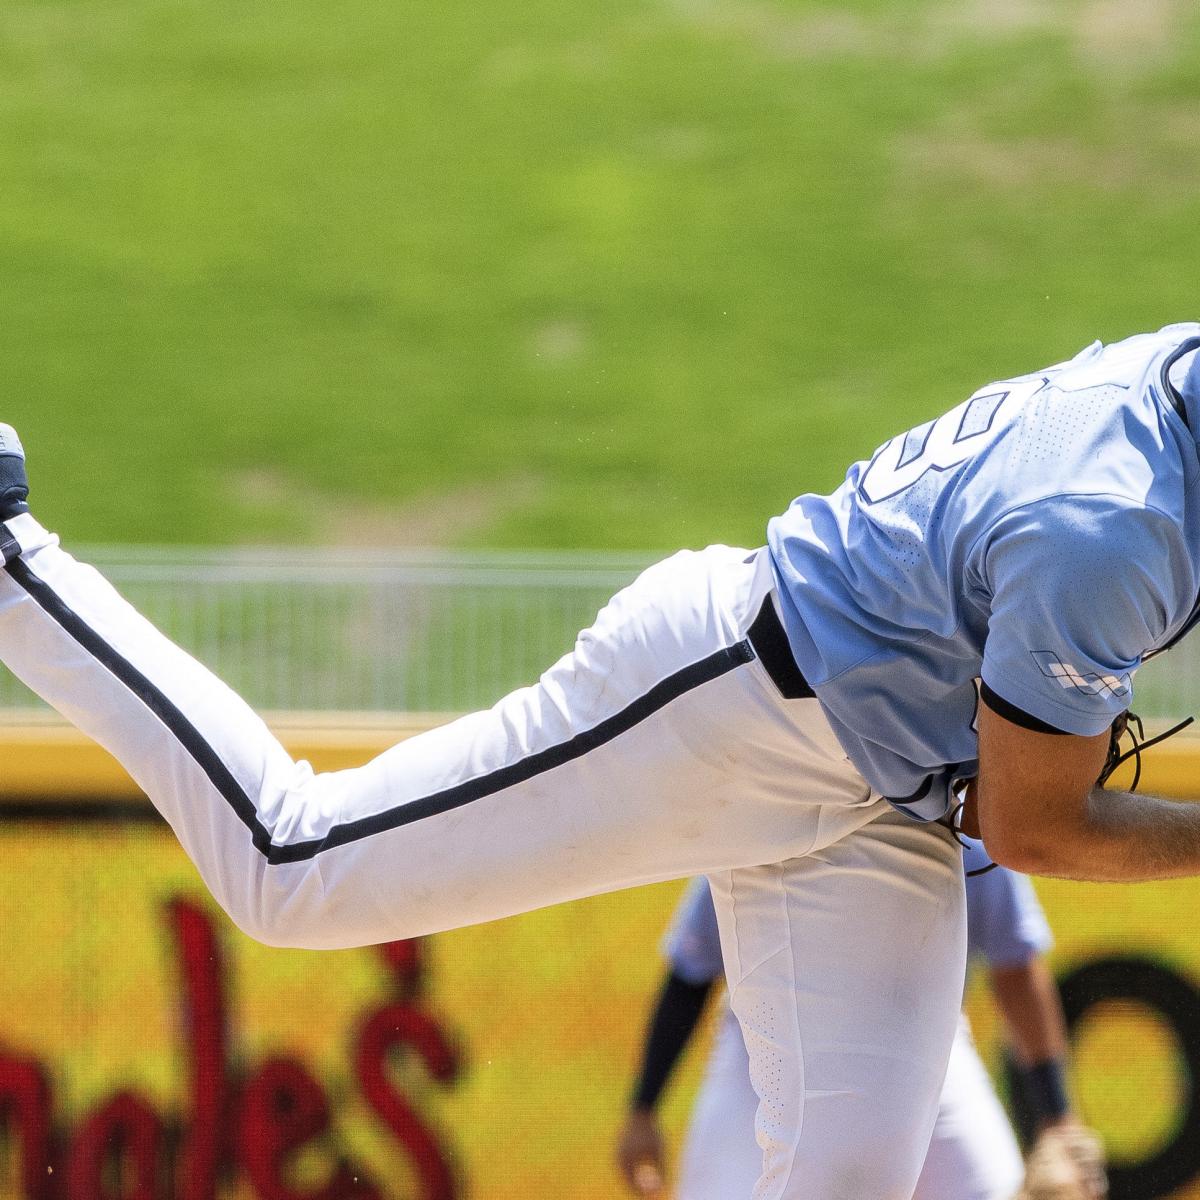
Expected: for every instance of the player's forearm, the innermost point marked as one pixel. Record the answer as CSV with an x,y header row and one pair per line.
x,y
676,1014
1033,1019
1111,836
1028,1001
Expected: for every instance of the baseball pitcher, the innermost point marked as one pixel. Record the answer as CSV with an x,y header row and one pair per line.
x,y
793,721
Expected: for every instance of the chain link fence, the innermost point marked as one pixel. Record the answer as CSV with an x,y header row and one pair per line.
x,y
359,631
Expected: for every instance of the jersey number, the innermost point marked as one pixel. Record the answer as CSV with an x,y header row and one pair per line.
x,y
939,445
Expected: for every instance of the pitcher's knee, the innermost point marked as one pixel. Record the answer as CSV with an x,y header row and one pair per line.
x,y
283,898
299,906
859,1171
289,913
307,874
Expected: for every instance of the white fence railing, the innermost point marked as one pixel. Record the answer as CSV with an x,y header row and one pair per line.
x,y
361,631
411,632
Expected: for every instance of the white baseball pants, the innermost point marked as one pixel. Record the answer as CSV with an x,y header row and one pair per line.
x,y
662,746
973,1154
720,1159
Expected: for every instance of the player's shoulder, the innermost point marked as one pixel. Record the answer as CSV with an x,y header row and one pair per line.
x,y
1096,517
1101,437
1100,386
1123,363
1100,549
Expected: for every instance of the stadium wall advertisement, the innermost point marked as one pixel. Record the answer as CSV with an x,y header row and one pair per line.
x,y
149,1051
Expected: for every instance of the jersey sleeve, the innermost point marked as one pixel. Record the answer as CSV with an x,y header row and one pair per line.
x,y
693,944
1080,588
1006,925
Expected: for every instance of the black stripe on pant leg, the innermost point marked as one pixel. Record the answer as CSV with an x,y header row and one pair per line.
x,y
525,769
9,546
190,738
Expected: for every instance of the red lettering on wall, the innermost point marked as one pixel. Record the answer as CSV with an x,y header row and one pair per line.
x,y
207,1050
253,1132
283,1109
407,965
393,1028
117,1153
25,1115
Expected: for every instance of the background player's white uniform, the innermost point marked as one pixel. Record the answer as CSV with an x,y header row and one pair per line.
x,y
973,1154
1043,536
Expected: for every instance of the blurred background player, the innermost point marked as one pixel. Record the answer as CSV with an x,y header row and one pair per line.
x,y
973,1155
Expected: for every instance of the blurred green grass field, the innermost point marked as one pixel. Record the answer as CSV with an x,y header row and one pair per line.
x,y
627,274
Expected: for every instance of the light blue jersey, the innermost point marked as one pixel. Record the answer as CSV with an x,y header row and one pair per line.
x,y
693,944
1042,537
1006,926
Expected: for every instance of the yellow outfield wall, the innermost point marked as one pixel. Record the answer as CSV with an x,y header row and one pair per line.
x,y
491,1063
48,760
